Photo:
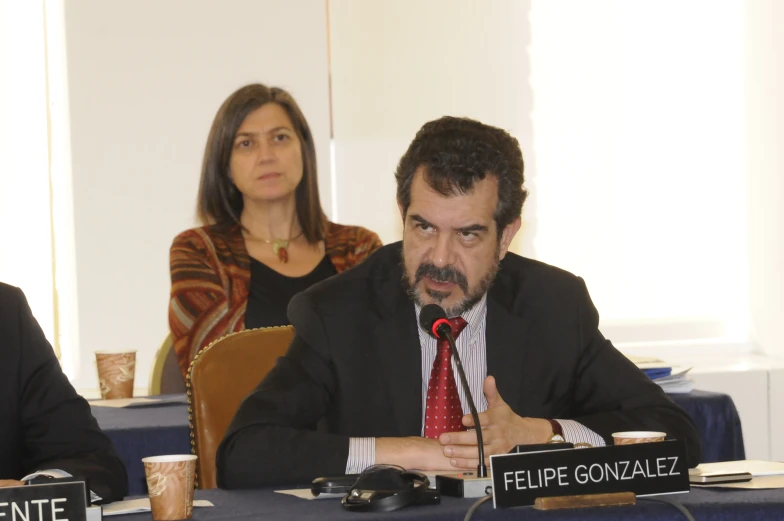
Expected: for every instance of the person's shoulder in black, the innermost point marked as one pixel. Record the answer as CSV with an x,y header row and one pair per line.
x,y
44,423
373,275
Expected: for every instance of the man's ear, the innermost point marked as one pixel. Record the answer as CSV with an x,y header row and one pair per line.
x,y
507,235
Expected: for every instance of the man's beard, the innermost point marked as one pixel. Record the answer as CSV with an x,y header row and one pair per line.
x,y
449,274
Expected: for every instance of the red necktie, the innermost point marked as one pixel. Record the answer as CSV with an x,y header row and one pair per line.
x,y
444,412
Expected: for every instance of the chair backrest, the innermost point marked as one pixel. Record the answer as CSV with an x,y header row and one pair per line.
x,y
219,378
166,377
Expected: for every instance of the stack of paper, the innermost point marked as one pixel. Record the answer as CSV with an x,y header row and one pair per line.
x,y
677,382
765,474
673,380
754,467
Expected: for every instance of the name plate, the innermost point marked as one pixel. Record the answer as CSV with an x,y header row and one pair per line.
x,y
643,468
49,502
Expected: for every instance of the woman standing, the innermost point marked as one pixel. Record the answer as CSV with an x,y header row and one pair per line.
x,y
265,237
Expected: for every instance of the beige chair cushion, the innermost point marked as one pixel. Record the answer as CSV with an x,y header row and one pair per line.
x,y
166,377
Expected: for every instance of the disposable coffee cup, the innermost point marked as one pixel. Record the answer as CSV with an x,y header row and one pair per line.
x,y
631,437
170,484
116,371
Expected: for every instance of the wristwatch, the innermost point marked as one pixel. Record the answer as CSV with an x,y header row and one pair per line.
x,y
557,436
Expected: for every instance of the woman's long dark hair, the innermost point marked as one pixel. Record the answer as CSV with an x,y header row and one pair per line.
x,y
219,200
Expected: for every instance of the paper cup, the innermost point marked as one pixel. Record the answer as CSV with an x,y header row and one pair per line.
x,y
170,484
630,437
116,371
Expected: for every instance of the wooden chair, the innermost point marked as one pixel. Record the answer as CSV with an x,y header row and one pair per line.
x,y
219,378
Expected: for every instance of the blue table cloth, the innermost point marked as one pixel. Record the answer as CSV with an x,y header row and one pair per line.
x,y
717,422
163,429
145,431
704,504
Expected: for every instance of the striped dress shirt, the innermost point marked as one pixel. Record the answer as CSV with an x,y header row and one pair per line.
x,y
472,347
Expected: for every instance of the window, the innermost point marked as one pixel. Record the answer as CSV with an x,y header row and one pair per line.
x,y
25,211
639,162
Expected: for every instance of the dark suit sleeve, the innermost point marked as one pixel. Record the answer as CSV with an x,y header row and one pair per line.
x,y
273,438
58,429
611,394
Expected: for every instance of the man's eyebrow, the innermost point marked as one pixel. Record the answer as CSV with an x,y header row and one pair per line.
x,y
473,228
421,220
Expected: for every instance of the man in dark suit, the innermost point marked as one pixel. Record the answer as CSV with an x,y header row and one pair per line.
x,y
381,390
46,428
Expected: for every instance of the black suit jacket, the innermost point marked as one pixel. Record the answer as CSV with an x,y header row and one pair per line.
x,y
44,423
354,369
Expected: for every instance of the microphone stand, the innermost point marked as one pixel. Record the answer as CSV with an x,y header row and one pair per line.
x,y
463,484
446,331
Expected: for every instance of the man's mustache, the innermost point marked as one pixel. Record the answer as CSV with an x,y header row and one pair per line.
x,y
445,274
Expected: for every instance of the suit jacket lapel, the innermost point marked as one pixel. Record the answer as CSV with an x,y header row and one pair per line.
x,y
506,339
397,341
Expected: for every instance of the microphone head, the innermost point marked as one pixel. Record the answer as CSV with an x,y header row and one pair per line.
x,y
431,317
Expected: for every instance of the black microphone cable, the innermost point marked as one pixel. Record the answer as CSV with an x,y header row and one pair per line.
x,y
432,318
683,510
478,503
480,442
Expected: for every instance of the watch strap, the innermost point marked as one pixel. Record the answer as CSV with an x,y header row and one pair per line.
x,y
557,429
557,435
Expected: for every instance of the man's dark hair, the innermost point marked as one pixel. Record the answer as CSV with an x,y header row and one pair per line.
x,y
458,152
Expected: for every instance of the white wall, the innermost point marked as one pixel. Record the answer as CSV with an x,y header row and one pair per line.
x,y
776,383
396,65
764,128
145,80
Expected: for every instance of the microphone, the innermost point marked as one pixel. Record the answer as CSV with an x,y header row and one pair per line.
x,y
432,319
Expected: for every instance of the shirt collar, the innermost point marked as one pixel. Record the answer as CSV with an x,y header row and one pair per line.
x,y
475,316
